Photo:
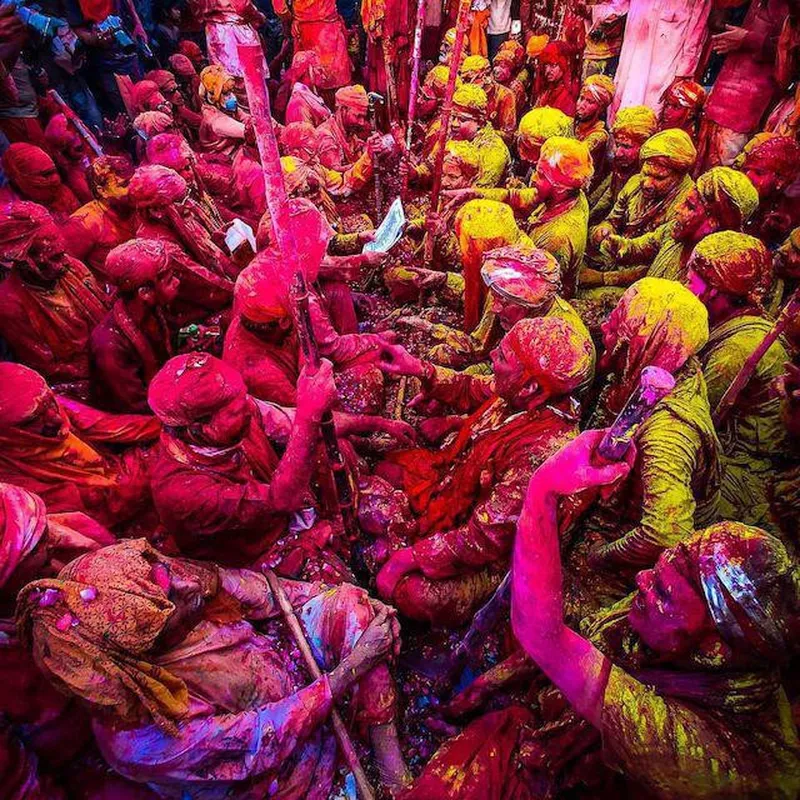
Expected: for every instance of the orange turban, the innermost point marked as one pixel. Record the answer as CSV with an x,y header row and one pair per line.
x,y
191,387
154,185
601,88
565,162
213,83
734,263
354,97
536,45
553,352
523,274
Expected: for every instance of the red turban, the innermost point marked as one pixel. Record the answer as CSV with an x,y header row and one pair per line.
x,y
686,93
780,154
22,393
161,78
734,263
135,263
182,66
190,49
20,224
260,295
142,95
153,185
32,172
22,525
354,97
59,134
192,386
312,233
555,53
553,352
523,274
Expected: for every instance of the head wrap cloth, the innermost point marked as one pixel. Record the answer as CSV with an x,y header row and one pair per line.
x,y
552,352
673,146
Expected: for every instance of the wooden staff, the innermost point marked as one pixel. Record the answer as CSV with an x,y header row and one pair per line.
x,y
391,84
447,108
416,58
251,57
339,729
748,369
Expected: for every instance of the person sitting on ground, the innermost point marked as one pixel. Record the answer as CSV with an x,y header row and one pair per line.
x,y
184,658
468,492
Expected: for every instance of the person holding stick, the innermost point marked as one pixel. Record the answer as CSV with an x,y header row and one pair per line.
x,y
731,273
197,684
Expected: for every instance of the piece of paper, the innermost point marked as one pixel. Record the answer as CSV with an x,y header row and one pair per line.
x,y
390,230
238,233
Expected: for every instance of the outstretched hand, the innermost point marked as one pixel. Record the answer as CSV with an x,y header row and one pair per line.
x,y
578,466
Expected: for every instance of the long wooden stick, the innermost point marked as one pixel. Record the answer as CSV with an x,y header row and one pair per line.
x,y
416,58
748,369
447,109
339,729
251,57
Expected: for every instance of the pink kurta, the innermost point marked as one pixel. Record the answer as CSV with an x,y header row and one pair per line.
x,y
664,39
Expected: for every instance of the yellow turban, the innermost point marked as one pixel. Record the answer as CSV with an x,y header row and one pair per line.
x,y
637,122
213,82
449,37
471,98
660,323
600,87
436,79
734,263
566,162
474,68
674,146
540,124
482,225
730,193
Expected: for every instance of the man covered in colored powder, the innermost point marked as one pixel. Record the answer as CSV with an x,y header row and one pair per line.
x,y
467,493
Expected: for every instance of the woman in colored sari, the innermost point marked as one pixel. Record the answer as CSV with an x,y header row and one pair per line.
x,y
185,692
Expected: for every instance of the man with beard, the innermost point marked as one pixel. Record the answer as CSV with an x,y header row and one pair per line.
x,y
631,128
342,138
49,301
731,272
722,200
167,212
100,225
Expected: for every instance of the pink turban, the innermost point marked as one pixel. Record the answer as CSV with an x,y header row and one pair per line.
x,y
192,386
154,185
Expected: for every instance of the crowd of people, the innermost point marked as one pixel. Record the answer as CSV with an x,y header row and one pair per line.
x,y
228,407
